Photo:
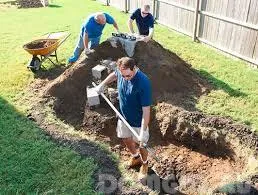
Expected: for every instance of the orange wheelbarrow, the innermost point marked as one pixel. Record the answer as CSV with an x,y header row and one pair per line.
x,y
45,48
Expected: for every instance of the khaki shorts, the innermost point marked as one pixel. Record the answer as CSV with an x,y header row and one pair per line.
x,y
123,131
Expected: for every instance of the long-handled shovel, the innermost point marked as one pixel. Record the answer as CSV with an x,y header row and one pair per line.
x,y
150,150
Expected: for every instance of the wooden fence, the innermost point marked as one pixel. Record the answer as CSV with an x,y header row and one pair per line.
x,y
228,25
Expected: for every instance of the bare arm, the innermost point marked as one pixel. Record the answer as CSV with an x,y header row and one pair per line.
x,y
116,26
145,116
85,40
130,25
110,78
147,38
151,31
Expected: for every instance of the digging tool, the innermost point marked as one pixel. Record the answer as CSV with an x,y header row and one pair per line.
x,y
150,150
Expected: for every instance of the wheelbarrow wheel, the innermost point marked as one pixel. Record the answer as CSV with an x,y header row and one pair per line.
x,y
35,64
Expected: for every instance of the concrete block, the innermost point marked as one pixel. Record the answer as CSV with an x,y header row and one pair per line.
x,y
96,71
112,65
93,97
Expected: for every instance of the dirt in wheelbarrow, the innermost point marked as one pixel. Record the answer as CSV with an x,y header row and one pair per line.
x,y
22,4
29,3
199,154
40,44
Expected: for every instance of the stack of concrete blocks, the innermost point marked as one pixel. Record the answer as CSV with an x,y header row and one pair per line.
x,y
93,97
97,71
127,44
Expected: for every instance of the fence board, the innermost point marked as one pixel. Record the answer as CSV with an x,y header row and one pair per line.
x,y
184,15
229,26
237,32
255,52
133,4
189,17
222,24
253,19
119,4
253,12
209,20
246,42
203,20
200,23
217,10
103,1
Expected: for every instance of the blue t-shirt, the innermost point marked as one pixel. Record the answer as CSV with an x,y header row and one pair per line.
x,y
143,24
133,95
93,28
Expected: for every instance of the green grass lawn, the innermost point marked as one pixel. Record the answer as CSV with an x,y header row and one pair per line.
x,y
32,163
29,161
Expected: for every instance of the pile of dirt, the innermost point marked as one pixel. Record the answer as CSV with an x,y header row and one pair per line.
x,y
29,3
172,78
70,87
196,148
38,44
210,150
212,135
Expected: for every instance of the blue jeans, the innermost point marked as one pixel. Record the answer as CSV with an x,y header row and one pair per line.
x,y
93,42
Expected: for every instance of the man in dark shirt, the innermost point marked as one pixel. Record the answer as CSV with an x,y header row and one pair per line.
x,y
144,21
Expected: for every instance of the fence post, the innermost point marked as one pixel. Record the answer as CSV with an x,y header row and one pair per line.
x,y
196,13
126,6
107,2
153,9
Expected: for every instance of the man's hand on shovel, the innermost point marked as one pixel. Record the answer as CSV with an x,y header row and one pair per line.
x,y
99,89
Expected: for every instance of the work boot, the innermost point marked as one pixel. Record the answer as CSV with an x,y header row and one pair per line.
x,y
143,171
134,162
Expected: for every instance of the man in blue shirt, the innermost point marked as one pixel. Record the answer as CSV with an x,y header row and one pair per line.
x,y
144,21
90,34
134,93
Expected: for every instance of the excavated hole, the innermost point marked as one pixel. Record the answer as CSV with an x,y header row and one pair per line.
x,y
202,153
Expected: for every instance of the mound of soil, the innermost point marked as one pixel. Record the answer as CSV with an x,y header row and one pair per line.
x,y
203,152
71,92
211,150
